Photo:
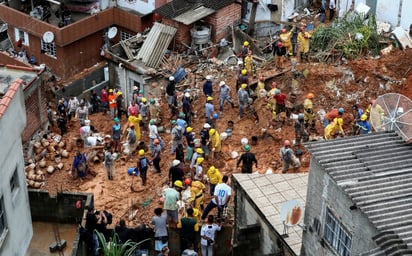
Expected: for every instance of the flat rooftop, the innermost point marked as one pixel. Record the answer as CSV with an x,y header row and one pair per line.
x,y
8,75
269,192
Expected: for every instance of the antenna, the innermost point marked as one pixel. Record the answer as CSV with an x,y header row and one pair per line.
x,y
112,32
48,37
392,112
291,214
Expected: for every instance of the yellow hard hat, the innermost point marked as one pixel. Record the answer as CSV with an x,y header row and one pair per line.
x,y
363,117
178,184
199,160
212,169
110,90
199,151
144,99
245,43
212,131
189,129
209,98
141,152
244,71
243,86
119,93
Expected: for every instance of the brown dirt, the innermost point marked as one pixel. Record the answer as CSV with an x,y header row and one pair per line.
x,y
358,82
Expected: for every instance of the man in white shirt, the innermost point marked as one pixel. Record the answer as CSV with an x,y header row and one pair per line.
x,y
207,234
220,199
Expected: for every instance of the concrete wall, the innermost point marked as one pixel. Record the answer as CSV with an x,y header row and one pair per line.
x,y
396,12
141,6
285,8
16,203
260,238
324,193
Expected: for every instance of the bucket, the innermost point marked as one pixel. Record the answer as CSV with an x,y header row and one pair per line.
x,y
57,158
131,171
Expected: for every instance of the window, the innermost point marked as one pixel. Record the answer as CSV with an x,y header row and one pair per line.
x,y
336,236
124,35
48,48
14,181
20,34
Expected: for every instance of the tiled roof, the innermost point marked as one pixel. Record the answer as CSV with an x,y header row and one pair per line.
x,y
375,171
6,99
269,192
178,7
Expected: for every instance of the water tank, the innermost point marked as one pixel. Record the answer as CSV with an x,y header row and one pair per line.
x,y
200,35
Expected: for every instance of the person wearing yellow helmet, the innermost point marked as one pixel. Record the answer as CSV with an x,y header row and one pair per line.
x,y
142,166
309,114
190,141
248,63
209,110
120,105
198,173
364,125
243,99
215,141
197,190
215,177
245,50
171,196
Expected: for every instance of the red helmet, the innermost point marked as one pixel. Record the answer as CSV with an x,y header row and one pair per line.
x,y
187,181
156,141
286,143
302,28
283,30
280,44
274,84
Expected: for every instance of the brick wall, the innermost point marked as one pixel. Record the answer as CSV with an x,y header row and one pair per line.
x,y
182,33
222,20
35,113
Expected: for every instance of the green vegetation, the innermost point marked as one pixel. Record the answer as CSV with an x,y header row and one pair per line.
x,y
113,248
349,37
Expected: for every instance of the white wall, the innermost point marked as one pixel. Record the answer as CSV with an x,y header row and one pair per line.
x,y
17,209
386,11
140,6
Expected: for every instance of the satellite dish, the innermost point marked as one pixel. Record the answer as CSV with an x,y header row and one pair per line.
x,y
291,213
112,32
48,37
392,112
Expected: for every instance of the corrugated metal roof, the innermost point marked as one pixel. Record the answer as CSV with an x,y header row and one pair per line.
x,y
178,7
375,170
156,44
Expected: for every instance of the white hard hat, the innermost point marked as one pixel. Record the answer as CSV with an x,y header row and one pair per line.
x,y
400,110
239,62
206,126
222,83
172,78
175,162
208,77
187,94
87,122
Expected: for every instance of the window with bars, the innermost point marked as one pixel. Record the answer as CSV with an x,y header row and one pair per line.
x,y
336,235
48,48
21,35
124,35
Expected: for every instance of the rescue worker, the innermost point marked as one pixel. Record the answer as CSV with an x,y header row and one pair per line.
x,y
377,115
260,86
204,139
112,103
176,136
243,99
330,131
197,189
280,98
171,93
300,131
247,159
245,50
304,44
279,52
285,38
209,110
215,142
364,125
339,126
309,114
215,177
242,79
198,173
331,115
248,63
190,141
154,109
142,165
288,157
135,121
